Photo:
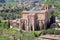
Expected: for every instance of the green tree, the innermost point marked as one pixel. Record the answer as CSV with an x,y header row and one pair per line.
x,y
52,2
57,13
49,2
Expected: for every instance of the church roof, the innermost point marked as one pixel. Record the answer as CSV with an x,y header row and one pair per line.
x,y
41,11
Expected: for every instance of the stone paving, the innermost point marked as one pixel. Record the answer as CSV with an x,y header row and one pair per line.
x,y
49,37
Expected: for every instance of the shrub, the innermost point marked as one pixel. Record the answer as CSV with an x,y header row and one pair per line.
x,y
37,33
51,31
44,32
57,32
12,31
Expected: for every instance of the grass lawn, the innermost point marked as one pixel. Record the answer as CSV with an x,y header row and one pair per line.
x,y
3,38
